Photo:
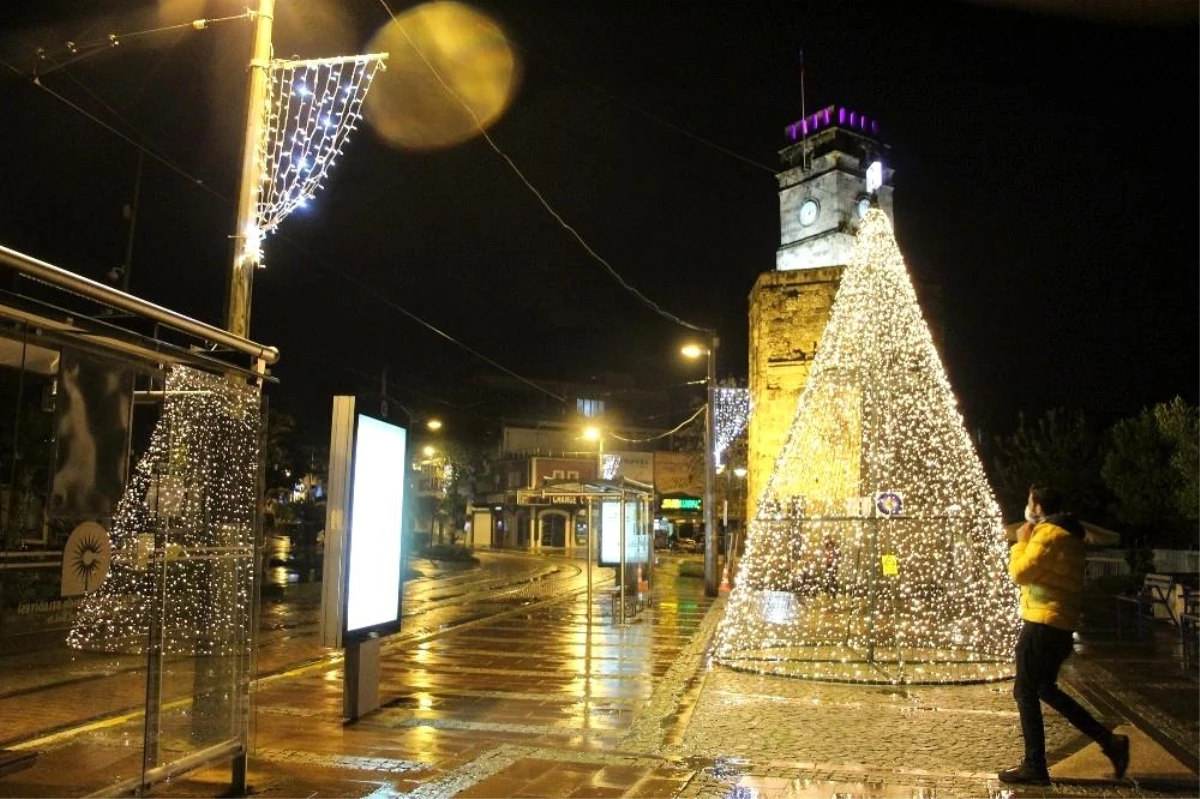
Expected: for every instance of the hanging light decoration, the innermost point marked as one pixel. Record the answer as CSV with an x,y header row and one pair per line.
x,y
877,554
312,108
731,408
182,571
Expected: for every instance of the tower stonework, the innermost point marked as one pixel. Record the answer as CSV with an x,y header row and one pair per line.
x,y
833,171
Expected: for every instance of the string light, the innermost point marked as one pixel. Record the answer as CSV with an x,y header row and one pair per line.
x,y
877,554
731,412
312,107
183,531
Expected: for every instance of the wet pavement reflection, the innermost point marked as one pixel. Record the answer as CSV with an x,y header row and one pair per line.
x,y
507,681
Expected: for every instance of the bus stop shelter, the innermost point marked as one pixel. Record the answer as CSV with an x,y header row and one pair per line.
x,y
619,515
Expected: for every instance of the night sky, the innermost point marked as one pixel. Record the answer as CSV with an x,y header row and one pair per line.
x,y
1045,190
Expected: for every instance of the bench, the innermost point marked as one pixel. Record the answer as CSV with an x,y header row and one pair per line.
x,y
1156,592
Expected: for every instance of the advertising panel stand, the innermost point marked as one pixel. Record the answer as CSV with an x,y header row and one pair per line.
x,y
364,537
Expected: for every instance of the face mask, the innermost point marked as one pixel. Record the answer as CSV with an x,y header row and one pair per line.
x,y
1030,516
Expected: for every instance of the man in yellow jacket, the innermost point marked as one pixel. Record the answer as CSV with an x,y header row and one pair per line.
x,y
1048,563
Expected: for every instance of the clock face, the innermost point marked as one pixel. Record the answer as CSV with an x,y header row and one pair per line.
x,y
864,205
808,212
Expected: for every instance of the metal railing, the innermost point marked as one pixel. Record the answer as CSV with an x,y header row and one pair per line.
x,y
69,281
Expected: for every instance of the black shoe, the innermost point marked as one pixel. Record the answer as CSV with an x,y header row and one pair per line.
x,y
1118,752
1025,774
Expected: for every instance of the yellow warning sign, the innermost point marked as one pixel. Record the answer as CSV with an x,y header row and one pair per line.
x,y
891,565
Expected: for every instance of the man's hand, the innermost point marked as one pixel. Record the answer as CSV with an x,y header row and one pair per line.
x,y
1024,533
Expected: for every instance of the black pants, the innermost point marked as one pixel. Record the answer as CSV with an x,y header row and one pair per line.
x,y
1041,650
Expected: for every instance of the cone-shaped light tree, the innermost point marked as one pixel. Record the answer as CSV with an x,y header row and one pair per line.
x,y
183,534
877,553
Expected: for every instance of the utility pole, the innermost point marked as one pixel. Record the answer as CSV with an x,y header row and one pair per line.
x,y
247,238
213,687
711,586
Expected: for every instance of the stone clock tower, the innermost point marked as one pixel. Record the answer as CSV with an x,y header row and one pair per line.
x,y
833,170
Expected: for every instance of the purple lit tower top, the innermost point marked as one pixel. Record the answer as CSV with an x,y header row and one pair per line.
x,y
829,117
835,169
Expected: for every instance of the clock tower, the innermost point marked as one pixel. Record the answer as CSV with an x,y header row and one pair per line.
x,y
834,169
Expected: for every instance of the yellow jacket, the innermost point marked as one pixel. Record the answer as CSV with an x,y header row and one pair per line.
x,y
1049,568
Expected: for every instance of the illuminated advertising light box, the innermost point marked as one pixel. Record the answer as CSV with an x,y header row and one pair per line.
x,y
637,539
364,527
374,560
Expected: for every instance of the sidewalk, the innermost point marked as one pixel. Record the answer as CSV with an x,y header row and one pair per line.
x,y
540,703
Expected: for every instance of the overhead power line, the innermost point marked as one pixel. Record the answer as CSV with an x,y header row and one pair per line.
x,y
621,101
320,262
670,432
536,193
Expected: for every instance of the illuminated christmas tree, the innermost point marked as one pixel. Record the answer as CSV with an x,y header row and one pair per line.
x,y
182,546
877,553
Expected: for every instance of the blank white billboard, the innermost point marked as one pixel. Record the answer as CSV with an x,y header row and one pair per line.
x,y
374,579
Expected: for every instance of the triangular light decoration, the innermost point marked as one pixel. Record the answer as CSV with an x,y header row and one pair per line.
x,y
877,554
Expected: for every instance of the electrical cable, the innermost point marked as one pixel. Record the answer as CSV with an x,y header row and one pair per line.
x,y
319,261
427,325
637,109
89,49
672,431
160,159
537,194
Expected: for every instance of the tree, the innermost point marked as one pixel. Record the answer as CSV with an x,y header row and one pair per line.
x,y
1179,423
460,468
1058,449
277,452
1151,471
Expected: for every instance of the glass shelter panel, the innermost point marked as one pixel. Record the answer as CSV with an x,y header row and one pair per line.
x,y
128,527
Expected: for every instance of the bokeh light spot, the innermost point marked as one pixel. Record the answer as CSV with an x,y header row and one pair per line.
x,y
409,106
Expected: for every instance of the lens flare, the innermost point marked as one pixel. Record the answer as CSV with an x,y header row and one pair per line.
x,y
444,58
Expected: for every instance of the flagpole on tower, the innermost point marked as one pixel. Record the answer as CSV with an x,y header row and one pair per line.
x,y
805,151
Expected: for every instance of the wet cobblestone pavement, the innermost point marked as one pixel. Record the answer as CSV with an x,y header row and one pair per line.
x,y
538,702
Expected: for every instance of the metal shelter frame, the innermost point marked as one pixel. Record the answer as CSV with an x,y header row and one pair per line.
x,y
590,492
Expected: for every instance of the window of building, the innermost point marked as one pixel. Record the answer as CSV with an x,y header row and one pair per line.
x,y
589,408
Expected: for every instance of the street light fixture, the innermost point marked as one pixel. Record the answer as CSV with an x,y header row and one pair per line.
x,y
710,527
433,424
593,433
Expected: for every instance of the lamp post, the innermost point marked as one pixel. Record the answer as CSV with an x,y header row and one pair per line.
x,y
710,527
593,433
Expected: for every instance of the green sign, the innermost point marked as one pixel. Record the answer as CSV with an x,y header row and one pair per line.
x,y
682,503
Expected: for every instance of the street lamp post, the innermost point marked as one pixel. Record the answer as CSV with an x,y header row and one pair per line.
x,y
710,527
